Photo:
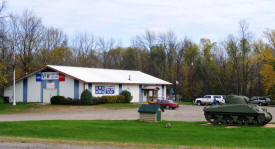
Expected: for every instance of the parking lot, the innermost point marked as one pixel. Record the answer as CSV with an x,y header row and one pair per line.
x,y
183,113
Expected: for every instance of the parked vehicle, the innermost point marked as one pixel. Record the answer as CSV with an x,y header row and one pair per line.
x,y
168,104
260,100
237,111
209,99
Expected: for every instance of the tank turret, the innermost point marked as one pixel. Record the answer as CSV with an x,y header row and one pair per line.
x,y
237,111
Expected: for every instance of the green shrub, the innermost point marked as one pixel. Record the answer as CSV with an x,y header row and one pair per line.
x,y
127,96
86,97
57,100
61,100
1,100
113,99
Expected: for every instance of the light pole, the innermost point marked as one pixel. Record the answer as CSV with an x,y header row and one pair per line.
x,y
176,83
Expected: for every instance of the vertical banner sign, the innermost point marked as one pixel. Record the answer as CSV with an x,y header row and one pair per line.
x,y
38,77
61,77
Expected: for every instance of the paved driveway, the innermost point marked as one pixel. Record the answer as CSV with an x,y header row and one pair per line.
x,y
184,113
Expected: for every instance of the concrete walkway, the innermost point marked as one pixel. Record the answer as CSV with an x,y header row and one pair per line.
x,y
184,113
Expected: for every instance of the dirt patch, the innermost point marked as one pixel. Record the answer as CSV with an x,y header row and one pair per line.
x,y
206,124
269,126
232,127
35,143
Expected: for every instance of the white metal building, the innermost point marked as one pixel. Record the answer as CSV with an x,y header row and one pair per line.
x,y
51,80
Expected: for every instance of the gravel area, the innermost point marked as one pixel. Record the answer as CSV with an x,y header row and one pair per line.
x,y
183,113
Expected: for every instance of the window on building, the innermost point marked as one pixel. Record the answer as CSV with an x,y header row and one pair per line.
x,y
155,93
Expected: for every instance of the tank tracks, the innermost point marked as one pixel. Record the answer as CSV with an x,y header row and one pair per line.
x,y
239,119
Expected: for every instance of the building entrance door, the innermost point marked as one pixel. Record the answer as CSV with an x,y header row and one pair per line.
x,y
48,93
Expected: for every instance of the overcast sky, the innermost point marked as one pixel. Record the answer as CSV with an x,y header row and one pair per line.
x,y
123,19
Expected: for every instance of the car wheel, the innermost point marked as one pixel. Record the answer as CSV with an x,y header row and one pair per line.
x,y
217,103
199,103
167,107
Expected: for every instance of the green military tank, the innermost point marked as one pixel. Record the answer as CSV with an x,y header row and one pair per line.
x,y
237,111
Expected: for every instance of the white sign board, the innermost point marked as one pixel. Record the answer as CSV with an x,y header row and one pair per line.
x,y
50,76
50,85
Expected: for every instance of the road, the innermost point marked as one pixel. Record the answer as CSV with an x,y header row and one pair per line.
x,y
184,113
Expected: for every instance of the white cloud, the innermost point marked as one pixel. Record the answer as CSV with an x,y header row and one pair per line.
x,y
123,19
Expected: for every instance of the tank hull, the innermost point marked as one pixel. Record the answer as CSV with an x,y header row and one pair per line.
x,y
237,114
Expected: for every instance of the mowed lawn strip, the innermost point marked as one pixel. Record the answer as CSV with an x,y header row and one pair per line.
x,y
181,133
185,103
9,108
29,107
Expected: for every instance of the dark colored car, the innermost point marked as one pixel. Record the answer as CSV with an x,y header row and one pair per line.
x,y
260,100
168,104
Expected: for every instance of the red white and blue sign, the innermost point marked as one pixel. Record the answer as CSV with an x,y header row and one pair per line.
x,y
50,76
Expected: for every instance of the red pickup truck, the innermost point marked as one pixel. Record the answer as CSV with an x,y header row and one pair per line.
x,y
168,104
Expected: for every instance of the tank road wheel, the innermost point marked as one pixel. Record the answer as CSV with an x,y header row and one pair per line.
x,y
235,118
209,118
250,119
220,119
261,119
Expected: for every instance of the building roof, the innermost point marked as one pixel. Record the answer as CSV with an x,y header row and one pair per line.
x,y
100,75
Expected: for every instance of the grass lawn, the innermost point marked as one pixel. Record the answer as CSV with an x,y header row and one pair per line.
x,y
181,133
36,107
9,108
185,103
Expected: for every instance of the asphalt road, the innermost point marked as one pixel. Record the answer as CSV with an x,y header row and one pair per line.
x,y
183,113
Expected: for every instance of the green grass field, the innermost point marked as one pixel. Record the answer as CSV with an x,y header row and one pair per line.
x,y
9,108
23,107
181,133
185,103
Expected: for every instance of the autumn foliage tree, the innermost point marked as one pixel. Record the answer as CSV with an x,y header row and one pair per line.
x,y
237,65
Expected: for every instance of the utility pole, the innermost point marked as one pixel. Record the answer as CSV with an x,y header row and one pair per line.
x,y
13,57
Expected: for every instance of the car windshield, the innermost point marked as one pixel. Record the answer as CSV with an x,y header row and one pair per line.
x,y
170,101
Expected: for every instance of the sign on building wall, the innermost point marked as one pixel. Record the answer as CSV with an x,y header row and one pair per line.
x,y
50,85
50,76
101,89
110,89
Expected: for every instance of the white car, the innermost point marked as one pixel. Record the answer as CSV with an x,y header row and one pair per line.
x,y
209,99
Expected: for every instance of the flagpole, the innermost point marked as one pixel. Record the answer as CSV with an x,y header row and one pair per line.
x,y
14,102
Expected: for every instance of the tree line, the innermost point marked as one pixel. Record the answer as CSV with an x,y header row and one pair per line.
x,y
239,64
